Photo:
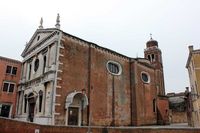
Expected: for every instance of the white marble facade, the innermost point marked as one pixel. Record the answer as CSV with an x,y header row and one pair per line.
x,y
36,92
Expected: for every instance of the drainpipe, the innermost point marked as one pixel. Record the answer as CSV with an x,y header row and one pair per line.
x,y
134,100
89,113
131,91
113,101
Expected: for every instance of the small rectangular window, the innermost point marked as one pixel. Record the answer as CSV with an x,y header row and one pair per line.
x,y
14,70
5,110
8,69
11,88
8,87
5,86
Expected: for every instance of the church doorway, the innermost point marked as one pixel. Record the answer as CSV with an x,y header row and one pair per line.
x,y
73,114
32,102
75,104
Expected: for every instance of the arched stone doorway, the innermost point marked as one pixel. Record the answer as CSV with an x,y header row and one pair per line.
x,y
31,106
76,102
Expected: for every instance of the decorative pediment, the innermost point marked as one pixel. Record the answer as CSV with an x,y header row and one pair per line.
x,y
38,37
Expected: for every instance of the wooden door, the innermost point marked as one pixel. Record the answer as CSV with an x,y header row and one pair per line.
x,y
31,109
73,115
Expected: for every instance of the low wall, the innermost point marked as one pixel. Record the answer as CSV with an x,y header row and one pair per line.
x,y
13,126
178,117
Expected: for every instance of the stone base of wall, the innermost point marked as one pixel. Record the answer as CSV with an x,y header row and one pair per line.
x,y
13,126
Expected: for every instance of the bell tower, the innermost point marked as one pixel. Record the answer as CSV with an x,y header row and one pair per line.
x,y
154,55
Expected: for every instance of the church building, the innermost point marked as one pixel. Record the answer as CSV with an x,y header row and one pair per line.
x,y
70,81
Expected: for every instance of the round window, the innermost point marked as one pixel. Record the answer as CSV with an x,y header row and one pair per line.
x,y
114,68
36,65
145,77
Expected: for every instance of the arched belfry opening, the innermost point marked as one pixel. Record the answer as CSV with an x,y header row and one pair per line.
x,y
32,97
75,104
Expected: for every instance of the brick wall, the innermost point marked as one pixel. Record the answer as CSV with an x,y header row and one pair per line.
x,y
163,110
120,100
144,95
9,97
84,68
107,89
12,126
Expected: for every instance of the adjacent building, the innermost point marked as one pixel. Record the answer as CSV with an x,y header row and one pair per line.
x,y
189,106
10,75
70,81
178,107
193,66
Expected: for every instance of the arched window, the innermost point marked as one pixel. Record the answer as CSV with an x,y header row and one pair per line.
x,y
29,73
154,105
40,100
44,61
149,57
153,57
25,103
38,37
36,65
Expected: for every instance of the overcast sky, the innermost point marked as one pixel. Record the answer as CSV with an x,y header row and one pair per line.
x,y
120,25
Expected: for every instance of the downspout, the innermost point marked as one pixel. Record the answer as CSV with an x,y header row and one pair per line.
x,y
89,84
134,100
131,92
113,101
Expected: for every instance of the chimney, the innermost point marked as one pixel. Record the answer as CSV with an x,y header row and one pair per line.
x,y
187,88
190,48
186,91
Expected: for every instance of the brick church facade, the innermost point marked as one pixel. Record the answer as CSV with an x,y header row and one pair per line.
x,y
70,81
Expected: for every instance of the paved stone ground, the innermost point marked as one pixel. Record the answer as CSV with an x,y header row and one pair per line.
x,y
177,125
